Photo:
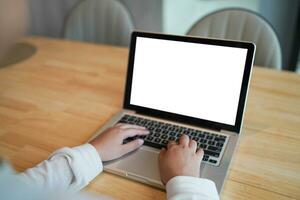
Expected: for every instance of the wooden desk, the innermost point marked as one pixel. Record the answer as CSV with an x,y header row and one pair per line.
x,y
62,94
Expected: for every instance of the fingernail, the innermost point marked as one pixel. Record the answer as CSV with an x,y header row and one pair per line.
x,y
140,141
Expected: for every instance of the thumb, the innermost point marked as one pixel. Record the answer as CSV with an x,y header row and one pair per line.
x,y
133,145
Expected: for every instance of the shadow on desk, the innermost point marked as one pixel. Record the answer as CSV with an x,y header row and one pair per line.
x,y
18,53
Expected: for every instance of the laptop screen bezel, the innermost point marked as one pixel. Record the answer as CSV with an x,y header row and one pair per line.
x,y
182,118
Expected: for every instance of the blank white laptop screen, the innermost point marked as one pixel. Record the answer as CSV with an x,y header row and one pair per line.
x,y
197,80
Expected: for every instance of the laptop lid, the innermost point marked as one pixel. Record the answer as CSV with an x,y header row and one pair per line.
x,y
192,80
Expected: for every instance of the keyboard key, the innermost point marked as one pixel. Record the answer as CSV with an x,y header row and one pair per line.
x,y
130,119
212,148
164,136
156,135
171,128
193,134
212,161
209,137
180,129
158,140
172,134
164,131
211,153
143,136
220,144
172,138
149,138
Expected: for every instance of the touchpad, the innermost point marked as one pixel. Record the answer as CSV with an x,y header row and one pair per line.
x,y
143,162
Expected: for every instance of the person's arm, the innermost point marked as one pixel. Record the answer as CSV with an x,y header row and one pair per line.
x,y
68,169
188,188
71,169
180,168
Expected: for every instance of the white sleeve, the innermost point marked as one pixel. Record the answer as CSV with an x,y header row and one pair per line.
x,y
68,169
191,188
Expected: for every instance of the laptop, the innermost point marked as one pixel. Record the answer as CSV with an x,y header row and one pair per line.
x,y
183,85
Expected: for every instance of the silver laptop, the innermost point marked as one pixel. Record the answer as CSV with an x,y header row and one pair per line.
x,y
183,85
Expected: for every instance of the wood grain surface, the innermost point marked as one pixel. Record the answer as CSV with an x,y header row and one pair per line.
x,y
67,90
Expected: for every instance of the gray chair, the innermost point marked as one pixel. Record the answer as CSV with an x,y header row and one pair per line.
x,y
100,21
240,24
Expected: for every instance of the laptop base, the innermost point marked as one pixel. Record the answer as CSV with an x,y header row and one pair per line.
x,y
142,164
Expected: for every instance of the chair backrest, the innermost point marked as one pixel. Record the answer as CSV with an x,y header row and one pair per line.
x,y
240,24
100,21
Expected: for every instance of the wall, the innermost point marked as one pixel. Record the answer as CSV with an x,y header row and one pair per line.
x,y
47,17
179,15
283,15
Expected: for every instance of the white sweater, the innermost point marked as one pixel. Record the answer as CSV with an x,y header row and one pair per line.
x,y
68,170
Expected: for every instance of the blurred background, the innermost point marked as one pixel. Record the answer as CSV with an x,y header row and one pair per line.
x,y
66,19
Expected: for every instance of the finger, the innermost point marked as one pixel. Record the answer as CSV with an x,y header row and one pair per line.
x,y
193,145
131,146
119,124
130,132
200,153
125,126
184,140
171,143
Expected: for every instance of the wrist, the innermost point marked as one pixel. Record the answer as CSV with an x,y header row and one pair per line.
x,y
96,148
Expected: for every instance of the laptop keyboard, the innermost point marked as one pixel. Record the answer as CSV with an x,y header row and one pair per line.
x,y
161,133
